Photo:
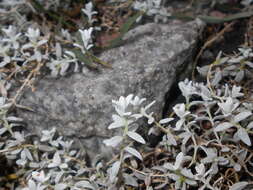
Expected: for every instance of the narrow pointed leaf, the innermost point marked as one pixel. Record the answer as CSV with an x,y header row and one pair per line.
x,y
223,126
241,116
243,135
114,141
114,170
134,152
60,186
239,186
84,184
136,137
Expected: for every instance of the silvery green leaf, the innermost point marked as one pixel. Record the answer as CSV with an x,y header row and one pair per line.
x,y
230,68
239,186
60,186
130,180
84,184
223,161
166,120
225,149
28,154
16,151
237,167
45,148
236,92
159,168
47,135
200,169
113,171
243,135
205,93
239,76
56,160
21,162
171,140
134,152
118,121
187,173
174,176
3,130
58,177
140,176
217,78
179,161
223,126
136,137
14,119
191,182
169,166
250,64
229,106
34,165
203,70
72,152
114,141
186,136
241,116
250,125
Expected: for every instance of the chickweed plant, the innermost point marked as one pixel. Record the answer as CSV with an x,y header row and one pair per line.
x,y
206,143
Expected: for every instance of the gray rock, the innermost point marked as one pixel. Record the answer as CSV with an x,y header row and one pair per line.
x,y
79,105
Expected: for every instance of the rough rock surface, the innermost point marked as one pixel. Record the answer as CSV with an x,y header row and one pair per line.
x,y
79,105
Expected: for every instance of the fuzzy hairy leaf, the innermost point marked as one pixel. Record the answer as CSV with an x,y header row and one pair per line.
x,y
114,141
223,126
243,135
136,137
84,184
239,186
134,152
114,170
241,116
60,186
